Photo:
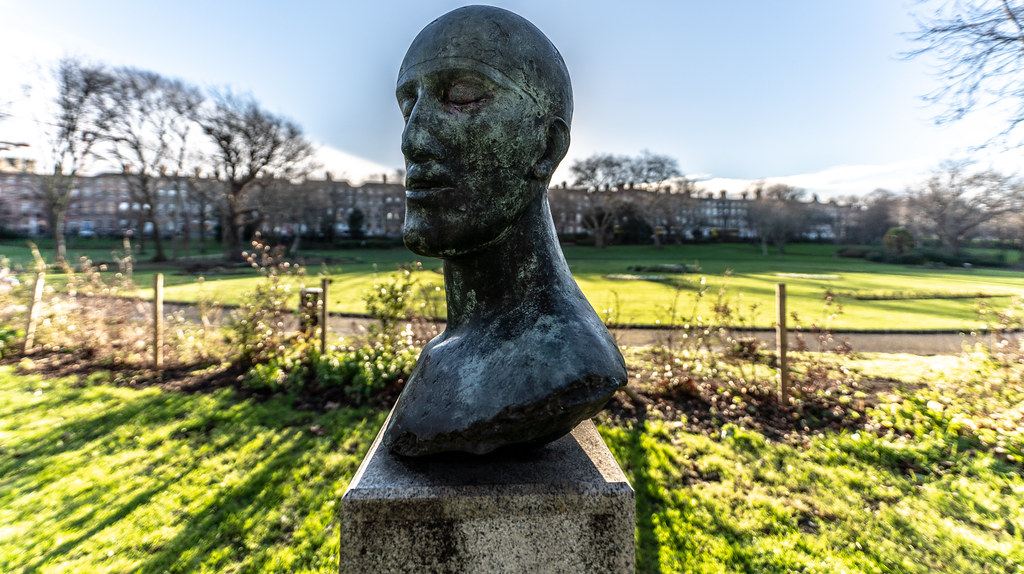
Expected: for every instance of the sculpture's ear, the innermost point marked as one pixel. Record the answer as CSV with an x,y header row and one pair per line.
x,y
555,149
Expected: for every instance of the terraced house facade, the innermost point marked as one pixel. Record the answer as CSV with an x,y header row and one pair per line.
x,y
104,205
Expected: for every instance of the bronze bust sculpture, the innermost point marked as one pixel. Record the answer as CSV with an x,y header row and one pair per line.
x,y
524,358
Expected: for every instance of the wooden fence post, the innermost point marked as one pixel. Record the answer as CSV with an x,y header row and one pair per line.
x,y
127,244
33,312
324,315
783,344
158,321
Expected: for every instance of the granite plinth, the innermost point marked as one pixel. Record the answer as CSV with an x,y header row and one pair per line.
x,y
565,507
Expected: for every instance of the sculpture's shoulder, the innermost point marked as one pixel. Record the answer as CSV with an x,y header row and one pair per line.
x,y
517,378
585,341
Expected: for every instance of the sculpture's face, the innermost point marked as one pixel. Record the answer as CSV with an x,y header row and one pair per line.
x,y
471,141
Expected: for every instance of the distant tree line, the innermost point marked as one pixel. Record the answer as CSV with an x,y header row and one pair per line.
x,y
226,146
642,199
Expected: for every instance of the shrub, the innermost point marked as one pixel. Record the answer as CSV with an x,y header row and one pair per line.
x,y
95,317
359,372
257,327
366,371
666,268
898,241
853,252
203,341
8,337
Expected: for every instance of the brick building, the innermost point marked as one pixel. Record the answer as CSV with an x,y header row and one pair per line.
x,y
103,205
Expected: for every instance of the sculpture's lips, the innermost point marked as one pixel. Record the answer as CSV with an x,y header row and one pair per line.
x,y
426,182
420,194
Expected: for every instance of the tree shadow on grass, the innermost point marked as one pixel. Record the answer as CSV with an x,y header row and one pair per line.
x,y
647,545
653,503
95,434
93,527
177,434
220,525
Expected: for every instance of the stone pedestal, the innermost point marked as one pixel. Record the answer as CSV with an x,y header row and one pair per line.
x,y
566,507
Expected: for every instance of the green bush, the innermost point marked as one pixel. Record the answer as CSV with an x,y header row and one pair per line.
x,y
257,328
898,241
360,371
366,371
8,336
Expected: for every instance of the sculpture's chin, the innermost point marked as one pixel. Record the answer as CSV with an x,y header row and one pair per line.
x,y
421,236
441,235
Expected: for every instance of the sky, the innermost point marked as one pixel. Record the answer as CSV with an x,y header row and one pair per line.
x,y
808,92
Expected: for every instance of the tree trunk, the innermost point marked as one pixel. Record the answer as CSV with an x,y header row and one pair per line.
x,y
140,227
157,240
59,246
202,228
233,229
186,225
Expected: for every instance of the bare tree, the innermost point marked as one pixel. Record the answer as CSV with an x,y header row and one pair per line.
x,y
78,120
654,169
601,171
877,214
655,208
1008,228
778,214
953,203
608,173
4,114
600,212
149,121
249,143
979,45
201,200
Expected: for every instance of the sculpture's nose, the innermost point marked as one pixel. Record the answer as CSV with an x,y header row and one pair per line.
x,y
418,143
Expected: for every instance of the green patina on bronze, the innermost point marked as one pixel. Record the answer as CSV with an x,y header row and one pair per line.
x,y
487,104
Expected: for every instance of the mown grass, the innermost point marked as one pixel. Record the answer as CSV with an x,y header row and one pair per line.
x,y
843,503
102,478
98,477
915,298
931,483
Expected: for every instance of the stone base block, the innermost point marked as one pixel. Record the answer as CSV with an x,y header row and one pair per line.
x,y
566,507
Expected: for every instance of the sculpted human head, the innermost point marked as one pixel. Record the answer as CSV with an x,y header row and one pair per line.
x,y
487,104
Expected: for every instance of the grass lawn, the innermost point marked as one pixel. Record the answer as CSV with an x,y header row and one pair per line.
x,y
97,477
870,295
100,478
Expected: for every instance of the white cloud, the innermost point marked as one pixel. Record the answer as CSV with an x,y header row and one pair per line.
x,y
840,180
347,166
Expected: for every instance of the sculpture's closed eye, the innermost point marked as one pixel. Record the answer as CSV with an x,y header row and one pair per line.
x,y
405,105
466,92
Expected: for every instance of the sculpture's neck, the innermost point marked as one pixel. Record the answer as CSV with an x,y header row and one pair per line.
x,y
524,267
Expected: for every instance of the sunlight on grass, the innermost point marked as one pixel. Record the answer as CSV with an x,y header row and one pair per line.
x,y
117,479
102,478
808,270
744,504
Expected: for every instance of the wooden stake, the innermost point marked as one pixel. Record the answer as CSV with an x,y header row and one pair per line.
x,y
127,244
783,345
323,315
33,312
158,321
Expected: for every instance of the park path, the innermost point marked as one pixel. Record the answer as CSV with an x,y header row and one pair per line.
x,y
911,343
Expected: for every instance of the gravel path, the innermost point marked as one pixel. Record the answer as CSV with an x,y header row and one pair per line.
x,y
912,343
